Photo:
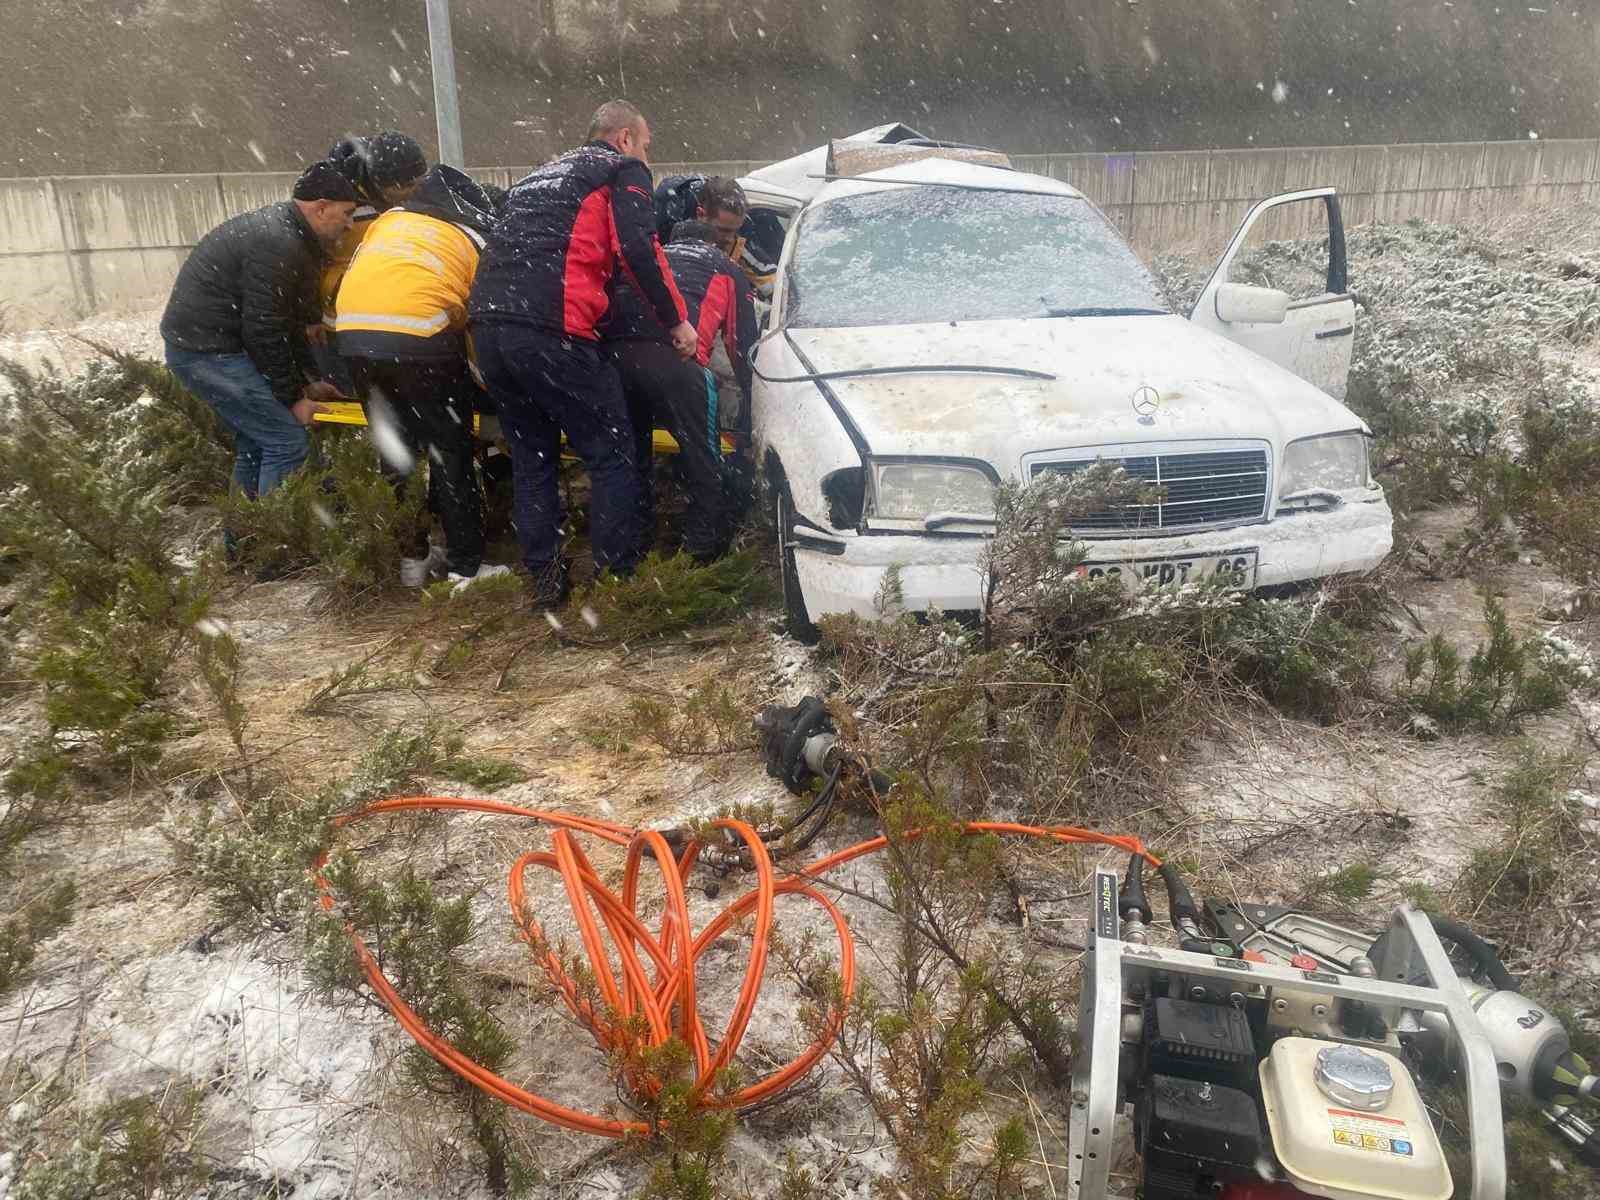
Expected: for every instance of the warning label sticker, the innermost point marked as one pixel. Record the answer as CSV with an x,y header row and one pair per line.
x,y
1369,1132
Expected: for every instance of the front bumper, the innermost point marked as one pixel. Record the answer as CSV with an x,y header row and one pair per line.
x,y
943,572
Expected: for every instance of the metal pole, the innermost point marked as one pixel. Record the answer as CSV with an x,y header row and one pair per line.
x,y
442,59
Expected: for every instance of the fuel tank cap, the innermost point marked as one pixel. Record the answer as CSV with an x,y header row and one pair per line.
x,y
1350,1076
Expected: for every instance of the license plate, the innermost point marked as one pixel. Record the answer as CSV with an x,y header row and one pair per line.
x,y
1235,568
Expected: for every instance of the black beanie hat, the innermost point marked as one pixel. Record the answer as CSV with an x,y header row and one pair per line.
x,y
394,157
324,181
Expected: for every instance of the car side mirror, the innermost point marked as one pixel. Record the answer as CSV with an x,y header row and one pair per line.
x,y
1242,304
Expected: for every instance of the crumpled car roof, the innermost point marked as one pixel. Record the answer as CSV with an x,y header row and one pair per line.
x,y
799,178
954,172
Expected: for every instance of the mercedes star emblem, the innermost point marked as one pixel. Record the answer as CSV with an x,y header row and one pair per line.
x,y
1146,400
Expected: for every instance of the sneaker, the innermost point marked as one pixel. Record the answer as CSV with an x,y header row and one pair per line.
x,y
487,571
551,586
415,572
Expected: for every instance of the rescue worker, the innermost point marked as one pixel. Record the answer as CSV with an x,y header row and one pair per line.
x,y
718,201
721,204
539,294
751,239
401,319
235,324
384,169
661,388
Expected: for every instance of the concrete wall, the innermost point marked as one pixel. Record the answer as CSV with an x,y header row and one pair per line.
x,y
78,247
141,86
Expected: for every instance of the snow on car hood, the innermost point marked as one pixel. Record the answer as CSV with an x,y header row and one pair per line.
x,y
1209,387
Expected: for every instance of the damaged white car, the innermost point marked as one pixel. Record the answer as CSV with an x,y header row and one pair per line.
x,y
939,326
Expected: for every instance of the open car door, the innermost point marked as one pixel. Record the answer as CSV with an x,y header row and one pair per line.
x,y
1302,320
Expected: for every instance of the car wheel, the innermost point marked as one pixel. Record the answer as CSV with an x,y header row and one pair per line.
x,y
796,620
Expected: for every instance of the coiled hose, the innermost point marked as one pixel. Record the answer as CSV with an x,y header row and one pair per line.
x,y
673,951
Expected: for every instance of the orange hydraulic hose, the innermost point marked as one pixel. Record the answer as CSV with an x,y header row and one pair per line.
x,y
666,1002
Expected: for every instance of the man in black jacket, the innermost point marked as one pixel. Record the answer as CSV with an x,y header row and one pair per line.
x,y
235,325
539,293
682,395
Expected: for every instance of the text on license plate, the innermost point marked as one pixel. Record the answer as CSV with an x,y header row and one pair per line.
x,y
1234,568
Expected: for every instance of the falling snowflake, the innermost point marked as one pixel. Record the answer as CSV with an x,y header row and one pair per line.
x,y
384,429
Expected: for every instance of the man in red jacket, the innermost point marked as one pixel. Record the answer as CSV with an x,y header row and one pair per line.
x,y
540,291
683,396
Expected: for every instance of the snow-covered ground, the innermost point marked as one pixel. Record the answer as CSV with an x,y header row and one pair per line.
x,y
310,1097
37,349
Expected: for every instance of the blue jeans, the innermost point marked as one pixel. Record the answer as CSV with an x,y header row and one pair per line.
x,y
545,385
270,443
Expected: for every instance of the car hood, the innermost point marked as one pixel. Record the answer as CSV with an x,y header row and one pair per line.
x,y
1208,387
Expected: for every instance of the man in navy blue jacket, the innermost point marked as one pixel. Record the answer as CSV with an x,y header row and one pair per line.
x,y
540,291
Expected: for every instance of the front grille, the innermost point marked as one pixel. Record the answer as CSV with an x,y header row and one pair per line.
x,y
1217,487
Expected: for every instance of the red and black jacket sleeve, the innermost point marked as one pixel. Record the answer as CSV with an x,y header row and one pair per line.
x,y
633,215
728,310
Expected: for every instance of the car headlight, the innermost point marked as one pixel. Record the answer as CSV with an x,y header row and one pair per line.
x,y
913,490
1333,464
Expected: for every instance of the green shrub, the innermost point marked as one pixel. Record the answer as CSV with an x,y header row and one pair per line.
x,y
1562,484
175,433
37,794
1344,886
88,528
1506,679
1298,655
1520,869
338,515
130,1148
713,719
481,771
253,860
668,595
1529,871
688,1142
419,938
917,1047
41,918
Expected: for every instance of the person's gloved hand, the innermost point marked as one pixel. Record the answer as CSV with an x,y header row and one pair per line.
x,y
685,340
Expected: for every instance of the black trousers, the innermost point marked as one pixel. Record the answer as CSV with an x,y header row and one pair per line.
x,y
663,389
432,402
547,385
